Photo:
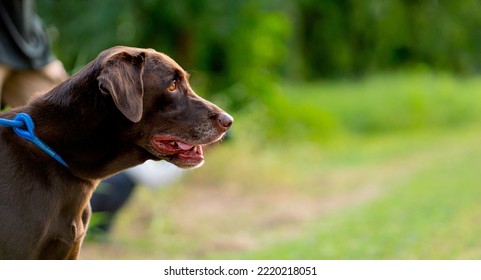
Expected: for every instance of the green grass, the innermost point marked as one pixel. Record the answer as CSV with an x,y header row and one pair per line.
x,y
431,214
382,168
379,104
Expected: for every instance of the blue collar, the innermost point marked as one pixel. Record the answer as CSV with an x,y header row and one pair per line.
x,y
24,120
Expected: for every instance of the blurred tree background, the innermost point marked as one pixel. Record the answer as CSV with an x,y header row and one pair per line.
x,y
240,52
240,49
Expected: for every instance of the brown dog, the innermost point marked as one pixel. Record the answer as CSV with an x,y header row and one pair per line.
x,y
125,107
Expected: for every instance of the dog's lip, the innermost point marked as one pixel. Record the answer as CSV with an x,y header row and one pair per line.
x,y
176,151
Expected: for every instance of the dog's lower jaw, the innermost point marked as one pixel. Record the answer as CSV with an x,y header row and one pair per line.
x,y
187,165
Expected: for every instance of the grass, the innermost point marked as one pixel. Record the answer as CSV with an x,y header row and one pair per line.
x,y
378,104
383,168
432,213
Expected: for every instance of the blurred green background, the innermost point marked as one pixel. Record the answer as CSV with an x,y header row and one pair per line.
x,y
357,126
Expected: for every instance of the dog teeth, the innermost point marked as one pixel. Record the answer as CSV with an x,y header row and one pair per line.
x,y
173,143
195,149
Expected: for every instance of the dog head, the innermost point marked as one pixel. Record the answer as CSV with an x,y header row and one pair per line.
x,y
168,118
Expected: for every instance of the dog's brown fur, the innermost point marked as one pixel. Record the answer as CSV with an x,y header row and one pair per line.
x,y
117,112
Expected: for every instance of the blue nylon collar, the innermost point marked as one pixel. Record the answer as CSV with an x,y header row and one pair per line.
x,y
22,120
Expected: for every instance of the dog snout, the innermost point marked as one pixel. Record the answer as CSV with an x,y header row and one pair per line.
x,y
225,120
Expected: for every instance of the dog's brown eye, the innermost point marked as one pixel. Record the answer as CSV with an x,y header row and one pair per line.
x,y
172,86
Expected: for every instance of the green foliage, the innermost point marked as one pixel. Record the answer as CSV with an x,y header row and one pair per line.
x,y
379,104
351,37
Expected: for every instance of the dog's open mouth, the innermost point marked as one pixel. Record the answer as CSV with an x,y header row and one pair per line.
x,y
178,152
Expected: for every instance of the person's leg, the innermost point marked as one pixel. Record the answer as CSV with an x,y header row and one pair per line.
x,y
21,86
4,72
110,196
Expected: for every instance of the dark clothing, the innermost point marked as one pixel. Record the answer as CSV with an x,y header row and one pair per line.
x,y
110,196
23,42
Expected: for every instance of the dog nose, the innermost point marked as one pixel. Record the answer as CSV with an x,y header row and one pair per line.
x,y
225,120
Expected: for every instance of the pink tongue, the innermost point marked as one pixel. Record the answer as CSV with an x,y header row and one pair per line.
x,y
184,146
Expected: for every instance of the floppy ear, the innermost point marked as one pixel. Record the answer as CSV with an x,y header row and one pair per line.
x,y
121,77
